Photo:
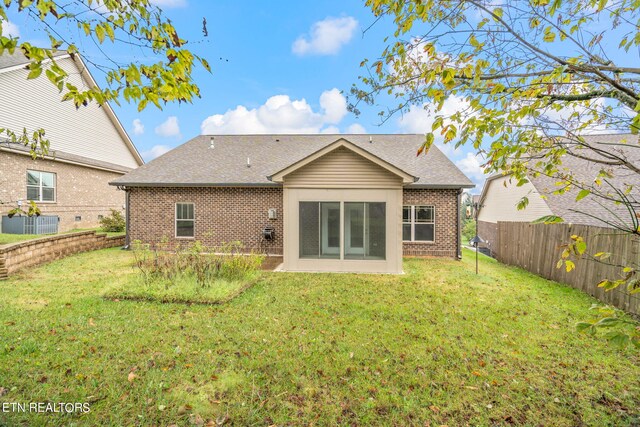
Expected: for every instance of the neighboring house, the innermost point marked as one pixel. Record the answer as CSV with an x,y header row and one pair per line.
x,y
89,147
334,202
501,195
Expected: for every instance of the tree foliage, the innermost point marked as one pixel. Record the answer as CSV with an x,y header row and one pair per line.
x,y
124,24
531,78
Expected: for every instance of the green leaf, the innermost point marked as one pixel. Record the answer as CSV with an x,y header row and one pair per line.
x,y
607,322
582,194
99,31
523,203
35,72
548,219
549,35
618,339
437,123
583,326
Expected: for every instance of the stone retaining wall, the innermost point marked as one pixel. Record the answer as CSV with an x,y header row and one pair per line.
x,y
16,256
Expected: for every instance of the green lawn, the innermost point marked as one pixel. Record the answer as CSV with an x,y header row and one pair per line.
x,y
183,290
6,239
438,345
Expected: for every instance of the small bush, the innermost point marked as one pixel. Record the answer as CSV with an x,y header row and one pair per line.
x,y
113,223
195,263
468,230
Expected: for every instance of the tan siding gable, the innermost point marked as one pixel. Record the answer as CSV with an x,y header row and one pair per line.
x,y
87,131
342,168
500,202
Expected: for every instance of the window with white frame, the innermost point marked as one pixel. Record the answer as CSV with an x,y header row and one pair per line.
x,y
418,223
41,186
185,220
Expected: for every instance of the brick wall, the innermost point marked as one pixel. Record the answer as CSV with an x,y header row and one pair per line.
x,y
489,233
80,191
25,254
446,222
223,214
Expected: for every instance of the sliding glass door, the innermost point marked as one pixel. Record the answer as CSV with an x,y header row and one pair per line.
x,y
319,230
364,230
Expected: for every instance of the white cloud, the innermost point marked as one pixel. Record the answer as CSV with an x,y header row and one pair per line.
x,y
471,167
330,130
9,29
419,119
326,37
280,114
169,128
573,116
334,105
169,4
356,128
138,127
155,151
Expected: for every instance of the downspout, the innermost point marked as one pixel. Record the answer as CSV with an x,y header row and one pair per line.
x,y
458,228
127,240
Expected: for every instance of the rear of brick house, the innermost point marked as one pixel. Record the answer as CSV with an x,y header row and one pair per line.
x,y
353,203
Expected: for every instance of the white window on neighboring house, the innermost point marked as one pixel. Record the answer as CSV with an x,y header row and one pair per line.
x,y
418,223
185,220
41,186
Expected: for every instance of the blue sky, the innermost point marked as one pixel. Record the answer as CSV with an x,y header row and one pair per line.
x,y
285,68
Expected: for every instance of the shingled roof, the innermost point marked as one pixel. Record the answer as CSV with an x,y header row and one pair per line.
x,y
196,163
17,58
592,210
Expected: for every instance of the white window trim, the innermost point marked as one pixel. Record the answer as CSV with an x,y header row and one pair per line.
x,y
175,221
413,223
55,187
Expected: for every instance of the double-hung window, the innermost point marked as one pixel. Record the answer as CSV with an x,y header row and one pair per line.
x,y
41,186
418,223
185,220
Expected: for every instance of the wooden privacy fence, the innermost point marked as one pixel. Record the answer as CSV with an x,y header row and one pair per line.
x,y
536,248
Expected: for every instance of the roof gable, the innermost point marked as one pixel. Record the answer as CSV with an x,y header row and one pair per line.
x,y
341,143
92,132
500,197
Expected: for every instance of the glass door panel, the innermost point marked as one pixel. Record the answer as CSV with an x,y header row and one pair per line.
x,y
330,229
354,235
365,230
